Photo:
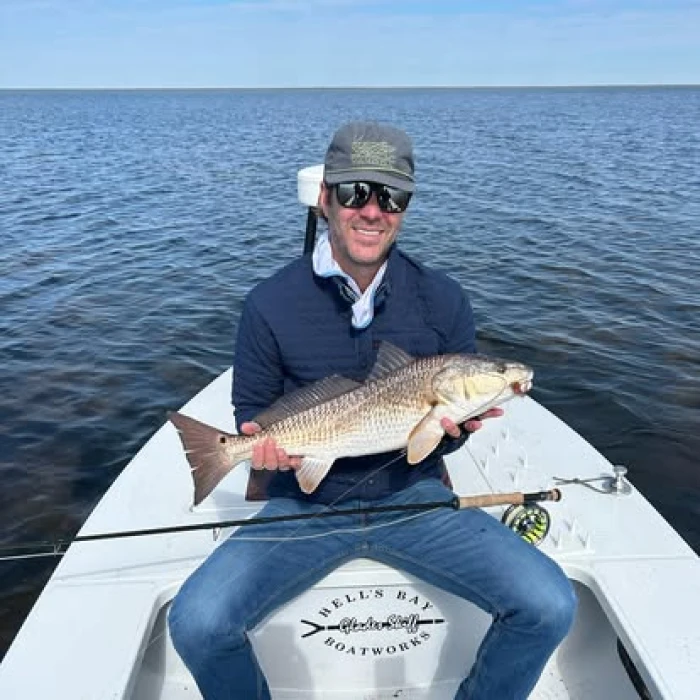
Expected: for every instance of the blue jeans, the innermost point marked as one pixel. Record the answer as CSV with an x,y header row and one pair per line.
x,y
468,553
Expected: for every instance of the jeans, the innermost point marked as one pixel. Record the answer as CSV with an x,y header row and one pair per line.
x,y
467,552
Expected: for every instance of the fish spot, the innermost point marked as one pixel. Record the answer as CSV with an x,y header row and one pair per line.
x,y
222,439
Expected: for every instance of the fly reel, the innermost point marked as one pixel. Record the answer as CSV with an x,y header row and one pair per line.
x,y
529,521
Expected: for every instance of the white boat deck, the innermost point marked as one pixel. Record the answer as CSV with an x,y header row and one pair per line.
x,y
98,629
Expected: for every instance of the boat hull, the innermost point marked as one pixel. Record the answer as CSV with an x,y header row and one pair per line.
x,y
99,627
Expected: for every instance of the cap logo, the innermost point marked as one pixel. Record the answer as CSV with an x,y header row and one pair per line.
x,y
378,154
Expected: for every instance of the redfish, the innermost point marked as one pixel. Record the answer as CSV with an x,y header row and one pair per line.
x,y
400,405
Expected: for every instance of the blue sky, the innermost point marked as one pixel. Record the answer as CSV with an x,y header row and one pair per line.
x,y
320,43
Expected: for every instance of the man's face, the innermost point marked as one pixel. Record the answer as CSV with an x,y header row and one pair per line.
x,y
360,238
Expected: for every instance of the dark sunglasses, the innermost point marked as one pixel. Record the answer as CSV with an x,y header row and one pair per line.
x,y
355,195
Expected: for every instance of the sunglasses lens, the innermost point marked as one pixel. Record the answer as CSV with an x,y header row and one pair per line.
x,y
393,200
355,195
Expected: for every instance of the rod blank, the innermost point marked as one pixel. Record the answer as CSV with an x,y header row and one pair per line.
x,y
57,548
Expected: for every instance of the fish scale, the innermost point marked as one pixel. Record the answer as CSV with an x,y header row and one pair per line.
x,y
376,417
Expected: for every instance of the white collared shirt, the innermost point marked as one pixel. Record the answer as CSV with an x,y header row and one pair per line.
x,y
324,265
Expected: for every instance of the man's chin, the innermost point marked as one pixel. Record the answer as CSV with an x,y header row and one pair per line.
x,y
369,261
370,254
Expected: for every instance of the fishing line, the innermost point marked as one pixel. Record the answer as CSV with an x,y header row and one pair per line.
x,y
362,528
455,503
56,547
17,557
59,547
293,535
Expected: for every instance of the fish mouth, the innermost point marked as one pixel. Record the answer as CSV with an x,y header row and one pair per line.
x,y
520,388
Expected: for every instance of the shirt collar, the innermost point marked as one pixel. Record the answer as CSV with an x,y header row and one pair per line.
x,y
324,265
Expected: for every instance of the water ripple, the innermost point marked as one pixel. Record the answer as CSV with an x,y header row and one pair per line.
x,y
135,222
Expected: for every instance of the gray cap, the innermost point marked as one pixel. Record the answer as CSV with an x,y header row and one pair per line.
x,y
373,152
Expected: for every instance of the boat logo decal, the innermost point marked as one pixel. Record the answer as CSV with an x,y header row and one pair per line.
x,y
374,622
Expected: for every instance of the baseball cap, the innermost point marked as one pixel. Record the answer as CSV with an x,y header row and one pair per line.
x,y
370,151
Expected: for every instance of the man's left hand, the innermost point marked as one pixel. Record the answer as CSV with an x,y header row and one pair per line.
x,y
472,425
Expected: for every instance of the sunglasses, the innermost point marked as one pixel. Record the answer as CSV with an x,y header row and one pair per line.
x,y
355,195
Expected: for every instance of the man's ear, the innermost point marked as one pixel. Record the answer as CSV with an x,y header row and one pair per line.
x,y
324,199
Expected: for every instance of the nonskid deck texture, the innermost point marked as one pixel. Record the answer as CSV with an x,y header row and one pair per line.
x,y
99,626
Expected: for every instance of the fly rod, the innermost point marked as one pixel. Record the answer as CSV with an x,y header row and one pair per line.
x,y
57,548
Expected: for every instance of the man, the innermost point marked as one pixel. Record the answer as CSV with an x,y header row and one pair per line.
x,y
326,314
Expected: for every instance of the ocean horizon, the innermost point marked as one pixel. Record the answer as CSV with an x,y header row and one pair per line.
x,y
214,88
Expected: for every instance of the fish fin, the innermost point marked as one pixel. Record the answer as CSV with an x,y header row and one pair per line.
x,y
389,359
311,472
305,398
424,438
211,452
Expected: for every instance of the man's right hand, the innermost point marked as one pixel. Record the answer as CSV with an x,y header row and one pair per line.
x,y
266,454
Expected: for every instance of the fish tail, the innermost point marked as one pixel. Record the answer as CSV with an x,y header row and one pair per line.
x,y
212,453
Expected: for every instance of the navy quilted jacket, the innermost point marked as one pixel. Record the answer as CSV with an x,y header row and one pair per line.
x,y
296,328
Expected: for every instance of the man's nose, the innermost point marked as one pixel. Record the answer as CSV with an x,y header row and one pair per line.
x,y
371,209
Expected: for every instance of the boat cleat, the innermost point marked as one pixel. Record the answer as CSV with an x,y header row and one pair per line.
x,y
617,484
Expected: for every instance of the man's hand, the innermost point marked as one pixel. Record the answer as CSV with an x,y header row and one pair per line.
x,y
472,425
266,454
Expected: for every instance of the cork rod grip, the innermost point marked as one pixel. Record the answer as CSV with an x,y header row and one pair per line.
x,y
504,499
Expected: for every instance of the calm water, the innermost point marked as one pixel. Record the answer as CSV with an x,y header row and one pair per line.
x,y
133,223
